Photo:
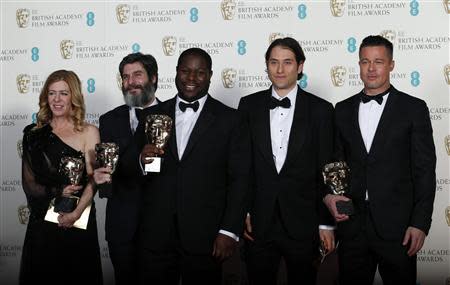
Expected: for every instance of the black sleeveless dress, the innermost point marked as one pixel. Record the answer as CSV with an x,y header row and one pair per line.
x,y
50,254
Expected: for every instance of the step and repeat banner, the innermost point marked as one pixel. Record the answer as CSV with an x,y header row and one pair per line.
x,y
91,38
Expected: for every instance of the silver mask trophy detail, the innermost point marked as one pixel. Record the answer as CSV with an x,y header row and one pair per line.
x,y
107,155
72,168
337,176
157,129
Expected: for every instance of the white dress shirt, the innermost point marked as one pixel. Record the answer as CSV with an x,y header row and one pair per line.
x,y
134,122
185,122
280,127
368,117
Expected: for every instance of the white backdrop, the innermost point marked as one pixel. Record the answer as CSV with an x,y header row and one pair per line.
x,y
91,38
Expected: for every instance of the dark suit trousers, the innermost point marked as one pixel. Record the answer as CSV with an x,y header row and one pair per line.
x,y
124,260
167,266
263,257
359,258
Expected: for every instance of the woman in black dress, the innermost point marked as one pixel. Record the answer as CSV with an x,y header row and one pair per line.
x,y
59,253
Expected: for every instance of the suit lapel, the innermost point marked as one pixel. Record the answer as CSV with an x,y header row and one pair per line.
x,y
383,127
299,128
123,122
262,129
168,108
204,121
357,136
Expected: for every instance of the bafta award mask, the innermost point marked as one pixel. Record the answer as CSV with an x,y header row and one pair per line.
x,y
123,13
228,77
24,214
23,83
337,7
169,45
228,7
157,130
66,48
338,75
107,155
337,176
72,168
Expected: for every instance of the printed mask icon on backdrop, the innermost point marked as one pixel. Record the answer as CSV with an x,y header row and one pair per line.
x,y
66,48
123,13
23,83
169,45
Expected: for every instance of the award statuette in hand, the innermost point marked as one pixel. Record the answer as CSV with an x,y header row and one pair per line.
x,y
337,176
107,155
157,131
72,168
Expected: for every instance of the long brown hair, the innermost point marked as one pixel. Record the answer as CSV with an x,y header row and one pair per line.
x,y
45,115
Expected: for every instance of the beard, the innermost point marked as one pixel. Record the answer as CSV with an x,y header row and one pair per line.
x,y
139,100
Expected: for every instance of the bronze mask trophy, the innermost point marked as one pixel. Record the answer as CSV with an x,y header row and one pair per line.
x,y
72,168
337,176
107,155
157,130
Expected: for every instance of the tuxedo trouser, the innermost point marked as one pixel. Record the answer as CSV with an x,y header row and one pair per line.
x,y
360,256
124,259
263,257
167,266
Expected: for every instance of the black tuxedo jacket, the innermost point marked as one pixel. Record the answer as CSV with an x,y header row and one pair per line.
x,y
399,170
206,189
122,209
298,187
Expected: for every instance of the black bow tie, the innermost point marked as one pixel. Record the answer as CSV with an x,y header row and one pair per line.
x,y
379,97
284,103
183,106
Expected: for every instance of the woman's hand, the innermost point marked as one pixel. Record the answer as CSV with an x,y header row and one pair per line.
x,y
66,220
70,190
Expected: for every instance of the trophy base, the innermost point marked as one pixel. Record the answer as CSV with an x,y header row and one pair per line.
x,y
66,204
345,207
154,166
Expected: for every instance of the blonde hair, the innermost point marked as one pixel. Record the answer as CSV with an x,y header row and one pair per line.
x,y
44,115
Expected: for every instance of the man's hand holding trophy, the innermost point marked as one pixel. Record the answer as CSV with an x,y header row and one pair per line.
x,y
337,176
107,156
157,130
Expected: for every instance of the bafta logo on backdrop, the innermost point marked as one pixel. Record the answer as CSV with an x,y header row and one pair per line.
x,y
23,212
169,45
23,83
229,77
447,215
447,6
22,17
390,35
228,8
338,74
19,148
447,144
274,36
123,13
119,80
337,7
66,48
447,73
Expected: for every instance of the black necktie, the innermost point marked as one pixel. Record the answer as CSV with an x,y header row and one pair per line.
x,y
183,106
284,103
379,97
138,113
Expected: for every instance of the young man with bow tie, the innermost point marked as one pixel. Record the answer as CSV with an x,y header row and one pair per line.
x,y
194,208
385,136
292,139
